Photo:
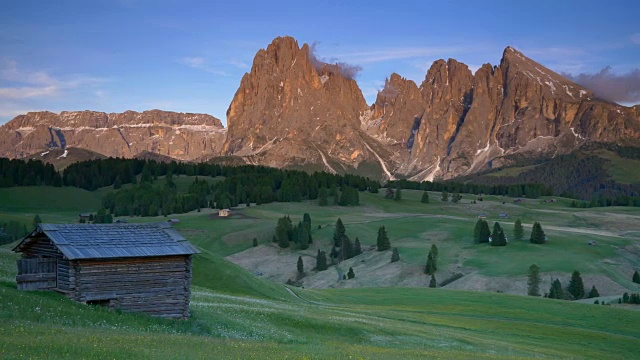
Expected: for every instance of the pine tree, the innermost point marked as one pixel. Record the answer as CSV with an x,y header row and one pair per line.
x,y
306,220
533,282
300,265
255,242
593,293
518,230
346,250
625,298
455,198
323,198
321,261
357,249
430,267
425,198
398,194
484,232
445,196
576,286
476,231
351,274
395,256
636,277
36,221
434,252
556,292
537,235
338,233
274,239
432,282
383,240
334,252
117,184
303,237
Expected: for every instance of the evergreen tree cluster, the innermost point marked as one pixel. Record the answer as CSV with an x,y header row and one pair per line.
x,y
627,298
27,173
497,236
447,188
11,231
574,291
636,277
321,261
343,248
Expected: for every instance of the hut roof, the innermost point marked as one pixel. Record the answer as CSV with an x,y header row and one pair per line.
x,y
102,241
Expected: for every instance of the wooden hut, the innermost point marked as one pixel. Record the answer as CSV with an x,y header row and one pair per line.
x,y
132,267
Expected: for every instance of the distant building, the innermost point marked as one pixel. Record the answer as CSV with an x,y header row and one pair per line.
x,y
224,212
85,216
482,216
173,221
503,216
131,267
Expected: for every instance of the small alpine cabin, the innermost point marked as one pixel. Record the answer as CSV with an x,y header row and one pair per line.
x,y
132,267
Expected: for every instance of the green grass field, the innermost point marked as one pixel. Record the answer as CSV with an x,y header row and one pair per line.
x,y
238,315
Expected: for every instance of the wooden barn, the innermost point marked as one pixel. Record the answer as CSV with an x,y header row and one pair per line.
x,y
132,267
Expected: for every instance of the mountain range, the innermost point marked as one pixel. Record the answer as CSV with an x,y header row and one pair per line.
x,y
292,110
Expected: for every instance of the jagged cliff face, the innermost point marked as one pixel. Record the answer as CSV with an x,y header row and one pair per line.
x,y
291,111
177,135
469,122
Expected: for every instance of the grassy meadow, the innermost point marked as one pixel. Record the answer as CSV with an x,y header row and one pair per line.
x,y
238,315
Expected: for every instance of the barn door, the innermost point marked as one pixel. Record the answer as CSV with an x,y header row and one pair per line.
x,y
36,274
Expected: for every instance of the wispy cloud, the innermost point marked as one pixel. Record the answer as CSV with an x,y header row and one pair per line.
x,y
34,84
388,54
635,38
240,64
200,63
622,88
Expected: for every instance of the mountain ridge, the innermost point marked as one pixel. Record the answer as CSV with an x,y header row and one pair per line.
x,y
292,110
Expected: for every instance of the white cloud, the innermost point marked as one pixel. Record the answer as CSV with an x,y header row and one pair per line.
x,y
635,38
26,92
240,64
380,55
200,63
37,84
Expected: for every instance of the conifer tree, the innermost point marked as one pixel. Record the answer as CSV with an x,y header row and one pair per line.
x,y
334,252
425,198
383,240
455,198
556,292
432,282
36,221
593,293
518,230
445,196
537,235
434,252
636,277
338,233
351,274
255,242
321,261
303,237
346,250
395,256
476,231
306,220
430,267
576,286
300,265
398,194
357,249
484,232
533,281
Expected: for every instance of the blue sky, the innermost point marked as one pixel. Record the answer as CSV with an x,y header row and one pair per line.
x,y
189,56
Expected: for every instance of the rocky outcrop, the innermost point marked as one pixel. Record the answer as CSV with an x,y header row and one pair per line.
x,y
177,135
292,110
470,122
